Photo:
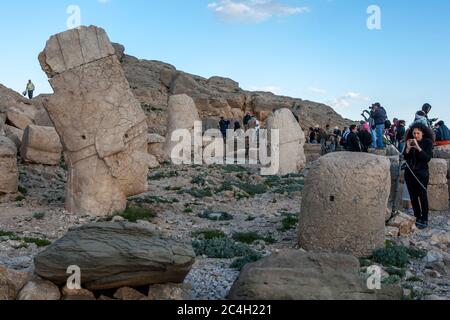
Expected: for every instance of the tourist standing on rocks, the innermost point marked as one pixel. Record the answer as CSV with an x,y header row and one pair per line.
x,y
442,133
224,125
353,142
365,137
400,135
379,117
312,136
418,153
237,125
246,120
30,89
426,110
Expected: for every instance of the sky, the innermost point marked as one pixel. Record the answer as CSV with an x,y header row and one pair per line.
x,y
344,53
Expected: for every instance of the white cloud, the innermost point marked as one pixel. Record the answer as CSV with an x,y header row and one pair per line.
x,y
103,1
317,90
253,11
346,100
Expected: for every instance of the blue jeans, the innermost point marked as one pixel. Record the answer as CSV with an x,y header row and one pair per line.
x,y
401,147
374,139
380,132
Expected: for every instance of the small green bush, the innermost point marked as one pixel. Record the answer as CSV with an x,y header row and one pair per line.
x,y
393,255
250,237
23,190
38,242
208,234
188,210
220,248
199,193
234,168
240,263
19,198
391,280
289,222
163,175
134,214
199,180
39,215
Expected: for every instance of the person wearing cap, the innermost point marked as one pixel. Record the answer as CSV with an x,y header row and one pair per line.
x,y
379,117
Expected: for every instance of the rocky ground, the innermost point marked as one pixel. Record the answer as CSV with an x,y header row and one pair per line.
x,y
197,203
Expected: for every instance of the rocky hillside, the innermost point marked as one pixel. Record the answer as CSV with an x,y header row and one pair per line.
x,y
154,81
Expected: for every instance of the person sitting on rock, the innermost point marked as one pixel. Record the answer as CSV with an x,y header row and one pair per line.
x,y
442,133
353,142
237,126
418,154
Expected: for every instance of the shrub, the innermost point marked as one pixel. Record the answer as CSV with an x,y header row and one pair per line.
x,y
240,263
234,168
289,222
220,248
250,237
39,215
199,180
392,255
134,214
198,193
163,175
208,234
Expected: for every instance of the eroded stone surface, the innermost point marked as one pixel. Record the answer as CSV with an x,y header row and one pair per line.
x,y
102,127
344,204
292,140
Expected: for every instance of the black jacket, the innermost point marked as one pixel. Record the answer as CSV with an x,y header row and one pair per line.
x,y
418,161
380,116
353,143
366,140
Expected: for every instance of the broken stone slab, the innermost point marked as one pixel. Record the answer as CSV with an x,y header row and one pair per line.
x,y
115,255
14,134
170,291
41,145
404,223
9,172
344,204
292,157
18,118
102,126
296,275
438,171
392,232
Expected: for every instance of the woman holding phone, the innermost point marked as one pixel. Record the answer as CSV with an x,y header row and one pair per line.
x,y
418,153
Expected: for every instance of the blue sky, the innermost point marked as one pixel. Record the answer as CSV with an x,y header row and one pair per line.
x,y
319,50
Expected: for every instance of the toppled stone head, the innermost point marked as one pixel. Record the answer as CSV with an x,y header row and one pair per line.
x,y
102,126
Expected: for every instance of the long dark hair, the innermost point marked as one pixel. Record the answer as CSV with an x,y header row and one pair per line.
x,y
427,132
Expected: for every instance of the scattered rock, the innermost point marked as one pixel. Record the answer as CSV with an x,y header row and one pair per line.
x,y
170,291
38,289
405,223
114,255
127,293
77,294
9,173
41,145
294,275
